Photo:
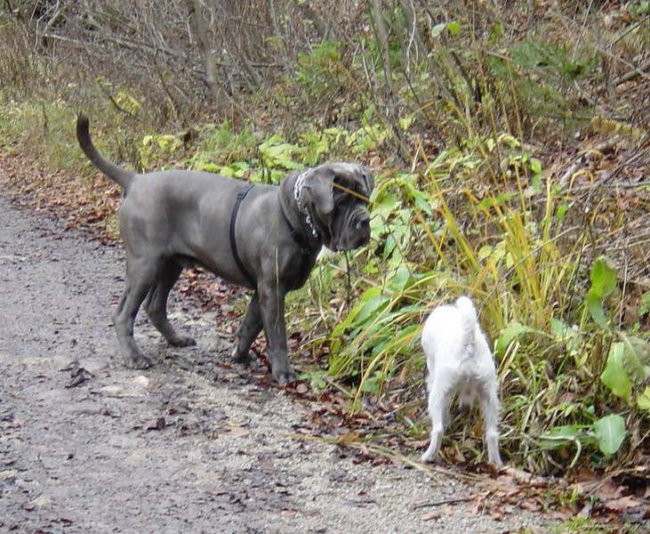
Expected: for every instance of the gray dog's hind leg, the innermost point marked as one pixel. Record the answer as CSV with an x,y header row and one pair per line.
x,y
250,328
156,304
140,278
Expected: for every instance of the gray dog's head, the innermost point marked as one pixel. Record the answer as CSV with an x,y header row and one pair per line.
x,y
335,196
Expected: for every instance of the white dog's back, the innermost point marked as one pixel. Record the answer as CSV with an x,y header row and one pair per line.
x,y
450,333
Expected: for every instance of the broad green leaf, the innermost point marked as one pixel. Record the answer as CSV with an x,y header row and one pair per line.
x,y
400,279
127,102
644,307
438,29
610,433
373,383
636,359
614,376
561,330
208,167
509,140
559,436
643,400
561,211
535,165
499,200
603,283
512,332
454,27
370,304
603,277
495,34
168,142
485,252
237,169
386,204
405,123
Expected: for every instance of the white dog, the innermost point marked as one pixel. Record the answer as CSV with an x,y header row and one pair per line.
x,y
459,360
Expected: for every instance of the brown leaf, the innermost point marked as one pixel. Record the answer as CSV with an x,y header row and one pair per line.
x,y
237,431
431,515
623,504
532,505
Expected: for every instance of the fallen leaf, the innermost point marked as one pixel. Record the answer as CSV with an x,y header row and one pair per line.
x,y
431,515
623,504
237,431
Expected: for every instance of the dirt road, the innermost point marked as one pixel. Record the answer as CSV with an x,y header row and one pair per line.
x,y
189,446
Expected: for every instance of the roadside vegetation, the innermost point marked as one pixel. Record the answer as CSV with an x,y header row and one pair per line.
x,y
510,144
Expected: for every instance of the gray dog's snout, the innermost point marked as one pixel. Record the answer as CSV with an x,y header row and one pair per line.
x,y
362,227
363,221
356,233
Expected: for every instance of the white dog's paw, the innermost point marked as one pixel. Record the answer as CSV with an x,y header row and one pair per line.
x,y
495,460
427,456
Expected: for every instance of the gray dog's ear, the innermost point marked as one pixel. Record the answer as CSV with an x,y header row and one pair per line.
x,y
317,189
368,181
353,178
328,182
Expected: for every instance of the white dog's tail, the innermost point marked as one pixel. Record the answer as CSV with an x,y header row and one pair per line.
x,y
466,307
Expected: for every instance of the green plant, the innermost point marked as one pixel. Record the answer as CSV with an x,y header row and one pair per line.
x,y
157,148
514,248
316,70
583,525
627,367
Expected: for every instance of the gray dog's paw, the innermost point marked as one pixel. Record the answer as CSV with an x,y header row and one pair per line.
x,y
139,361
245,358
284,376
182,341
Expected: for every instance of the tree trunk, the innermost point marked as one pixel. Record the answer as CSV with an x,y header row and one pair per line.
x,y
203,41
392,113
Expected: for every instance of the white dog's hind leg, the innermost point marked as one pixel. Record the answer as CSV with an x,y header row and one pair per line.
x,y
438,407
490,409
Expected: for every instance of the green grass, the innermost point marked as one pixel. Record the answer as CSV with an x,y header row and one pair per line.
x,y
515,250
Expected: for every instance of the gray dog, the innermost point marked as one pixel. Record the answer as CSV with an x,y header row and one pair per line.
x,y
263,237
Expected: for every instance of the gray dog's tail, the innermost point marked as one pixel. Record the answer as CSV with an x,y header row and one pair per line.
x,y
121,176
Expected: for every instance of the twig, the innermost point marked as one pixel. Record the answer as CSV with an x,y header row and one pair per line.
x,y
637,70
392,455
348,283
579,161
629,29
632,74
417,506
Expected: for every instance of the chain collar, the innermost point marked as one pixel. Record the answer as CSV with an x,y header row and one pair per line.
x,y
297,194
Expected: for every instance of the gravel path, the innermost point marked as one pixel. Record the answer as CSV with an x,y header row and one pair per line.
x,y
192,445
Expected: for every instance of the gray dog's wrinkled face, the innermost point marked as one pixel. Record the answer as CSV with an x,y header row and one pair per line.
x,y
336,196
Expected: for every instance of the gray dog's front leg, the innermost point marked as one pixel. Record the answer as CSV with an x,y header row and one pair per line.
x,y
250,328
272,307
